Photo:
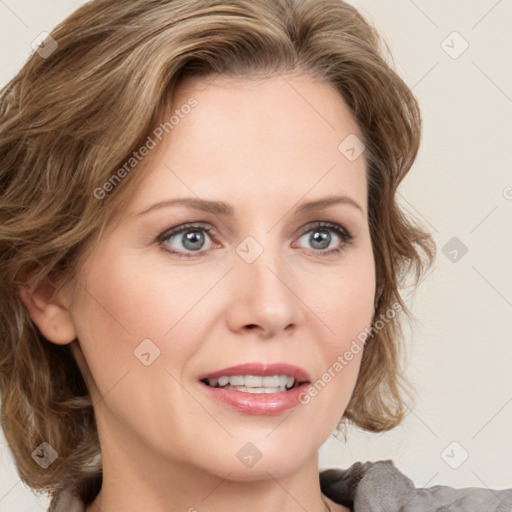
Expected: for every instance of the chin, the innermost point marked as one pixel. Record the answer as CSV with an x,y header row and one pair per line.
x,y
264,459
262,470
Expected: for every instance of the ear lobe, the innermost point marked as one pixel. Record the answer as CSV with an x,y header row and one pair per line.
x,y
49,311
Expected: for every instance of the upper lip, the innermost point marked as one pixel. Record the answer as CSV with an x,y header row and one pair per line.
x,y
260,369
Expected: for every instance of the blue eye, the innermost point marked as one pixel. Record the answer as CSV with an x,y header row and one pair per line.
x,y
192,240
190,237
321,238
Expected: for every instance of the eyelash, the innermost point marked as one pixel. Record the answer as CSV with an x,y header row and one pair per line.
x,y
341,232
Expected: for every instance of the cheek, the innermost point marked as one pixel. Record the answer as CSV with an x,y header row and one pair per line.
x,y
117,308
347,308
344,299
120,309
130,301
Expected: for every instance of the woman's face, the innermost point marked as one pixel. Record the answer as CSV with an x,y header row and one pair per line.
x,y
228,256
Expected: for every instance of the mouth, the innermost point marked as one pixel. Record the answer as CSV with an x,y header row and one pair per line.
x,y
256,388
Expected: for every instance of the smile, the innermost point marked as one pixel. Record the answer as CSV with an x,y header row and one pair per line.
x,y
256,388
253,383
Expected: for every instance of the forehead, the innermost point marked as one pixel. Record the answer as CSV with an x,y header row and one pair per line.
x,y
249,138
289,107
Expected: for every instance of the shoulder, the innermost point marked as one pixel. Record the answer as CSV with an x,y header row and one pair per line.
x,y
377,486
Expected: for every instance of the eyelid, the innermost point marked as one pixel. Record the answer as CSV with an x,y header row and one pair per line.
x,y
182,228
185,227
342,232
335,226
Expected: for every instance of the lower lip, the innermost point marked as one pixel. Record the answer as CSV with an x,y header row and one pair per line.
x,y
262,404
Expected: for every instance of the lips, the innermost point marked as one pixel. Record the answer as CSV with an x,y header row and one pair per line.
x,y
256,388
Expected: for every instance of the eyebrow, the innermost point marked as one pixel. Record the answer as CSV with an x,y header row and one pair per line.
x,y
223,209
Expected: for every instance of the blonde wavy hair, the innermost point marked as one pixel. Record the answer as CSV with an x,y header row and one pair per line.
x,y
69,121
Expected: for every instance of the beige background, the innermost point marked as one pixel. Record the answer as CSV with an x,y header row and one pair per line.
x,y
460,351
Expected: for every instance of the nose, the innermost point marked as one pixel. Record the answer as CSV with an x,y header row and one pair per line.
x,y
264,299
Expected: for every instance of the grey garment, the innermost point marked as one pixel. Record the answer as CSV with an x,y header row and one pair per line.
x,y
381,487
65,502
377,487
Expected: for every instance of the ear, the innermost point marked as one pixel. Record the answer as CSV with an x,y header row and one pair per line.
x,y
49,309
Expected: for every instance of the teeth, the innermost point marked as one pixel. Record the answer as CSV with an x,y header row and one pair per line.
x,y
272,382
250,381
245,389
223,381
253,383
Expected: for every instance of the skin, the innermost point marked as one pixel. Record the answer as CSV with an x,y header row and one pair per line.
x,y
264,147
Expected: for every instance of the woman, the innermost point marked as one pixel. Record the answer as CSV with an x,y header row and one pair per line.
x,y
201,258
